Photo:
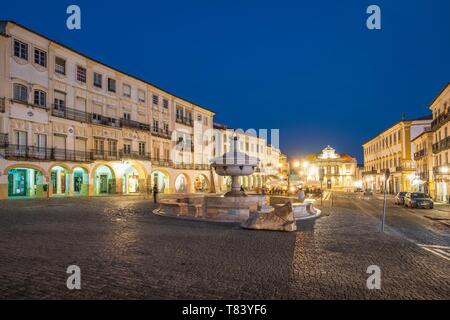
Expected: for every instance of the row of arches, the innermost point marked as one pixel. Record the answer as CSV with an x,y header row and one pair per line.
x,y
249,183
104,178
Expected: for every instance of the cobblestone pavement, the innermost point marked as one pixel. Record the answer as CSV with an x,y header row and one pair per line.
x,y
124,251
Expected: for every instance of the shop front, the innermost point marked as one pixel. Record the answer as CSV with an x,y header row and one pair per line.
x,y
25,182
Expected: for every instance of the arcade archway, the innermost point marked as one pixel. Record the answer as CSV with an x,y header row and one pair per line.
x,y
104,180
160,180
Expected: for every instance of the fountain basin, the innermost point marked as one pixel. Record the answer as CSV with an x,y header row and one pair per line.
x,y
212,207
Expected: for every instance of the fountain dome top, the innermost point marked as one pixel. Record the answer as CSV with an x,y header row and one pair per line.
x,y
234,157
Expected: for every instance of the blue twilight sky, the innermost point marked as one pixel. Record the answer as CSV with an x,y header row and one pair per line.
x,y
310,68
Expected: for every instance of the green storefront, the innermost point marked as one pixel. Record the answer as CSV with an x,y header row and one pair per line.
x,y
25,182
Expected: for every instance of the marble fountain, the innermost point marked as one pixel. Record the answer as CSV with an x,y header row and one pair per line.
x,y
235,205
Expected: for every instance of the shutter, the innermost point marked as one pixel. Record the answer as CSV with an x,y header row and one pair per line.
x,y
111,112
80,145
60,96
59,142
80,104
98,109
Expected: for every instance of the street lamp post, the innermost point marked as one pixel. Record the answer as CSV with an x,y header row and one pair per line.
x,y
321,176
386,177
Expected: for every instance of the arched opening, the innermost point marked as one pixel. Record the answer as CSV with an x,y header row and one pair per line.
x,y
25,182
130,181
250,183
181,184
201,184
80,181
245,182
59,180
104,180
160,180
226,185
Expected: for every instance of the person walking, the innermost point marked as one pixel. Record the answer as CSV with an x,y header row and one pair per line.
x,y
155,193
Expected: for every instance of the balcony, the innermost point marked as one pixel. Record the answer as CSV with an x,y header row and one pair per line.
x,y
2,104
105,121
442,145
15,151
406,166
442,170
185,120
71,114
370,172
419,154
134,155
126,123
162,133
161,162
104,155
70,155
439,121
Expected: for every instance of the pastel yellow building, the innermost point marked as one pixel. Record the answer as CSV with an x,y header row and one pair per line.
x,y
393,150
441,144
71,125
339,170
423,156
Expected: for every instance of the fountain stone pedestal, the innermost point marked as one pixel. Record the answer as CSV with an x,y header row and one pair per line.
x,y
234,206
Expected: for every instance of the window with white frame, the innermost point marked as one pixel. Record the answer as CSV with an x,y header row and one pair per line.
x,y
40,98
141,95
126,90
165,103
81,74
127,116
59,100
20,92
40,57
20,49
155,99
97,80
60,65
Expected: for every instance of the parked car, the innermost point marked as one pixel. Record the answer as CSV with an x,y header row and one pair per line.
x,y
418,200
358,190
400,198
368,192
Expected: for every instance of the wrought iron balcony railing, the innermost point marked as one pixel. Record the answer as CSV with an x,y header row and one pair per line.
x,y
439,121
161,162
134,155
162,133
16,151
419,154
71,114
443,170
185,120
126,123
441,145
97,154
13,151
